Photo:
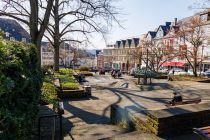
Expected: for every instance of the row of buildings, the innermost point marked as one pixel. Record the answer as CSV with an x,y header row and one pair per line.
x,y
124,53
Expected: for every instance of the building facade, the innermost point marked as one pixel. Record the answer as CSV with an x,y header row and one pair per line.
x,y
121,55
12,30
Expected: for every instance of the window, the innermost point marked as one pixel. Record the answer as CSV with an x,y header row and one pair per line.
x,y
12,38
205,17
24,39
7,34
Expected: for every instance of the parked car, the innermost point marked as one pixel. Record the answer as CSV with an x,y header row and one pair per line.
x,y
163,70
207,74
177,71
190,72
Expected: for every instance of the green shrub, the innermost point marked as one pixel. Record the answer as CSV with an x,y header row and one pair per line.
x,y
65,78
66,71
48,79
83,68
69,86
47,70
20,84
48,94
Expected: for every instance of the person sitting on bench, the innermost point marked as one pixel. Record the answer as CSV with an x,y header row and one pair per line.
x,y
177,98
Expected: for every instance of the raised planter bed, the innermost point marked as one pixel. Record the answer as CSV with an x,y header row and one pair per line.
x,y
77,93
71,94
166,122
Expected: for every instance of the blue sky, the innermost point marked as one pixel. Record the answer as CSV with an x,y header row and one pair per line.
x,y
141,16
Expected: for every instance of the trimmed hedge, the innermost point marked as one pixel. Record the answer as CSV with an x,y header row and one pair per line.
x,y
69,86
66,71
66,78
20,84
49,93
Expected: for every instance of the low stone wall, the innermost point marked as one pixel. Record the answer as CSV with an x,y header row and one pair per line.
x,y
118,116
170,121
64,94
178,120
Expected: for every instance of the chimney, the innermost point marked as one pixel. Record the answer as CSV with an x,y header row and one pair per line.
x,y
175,21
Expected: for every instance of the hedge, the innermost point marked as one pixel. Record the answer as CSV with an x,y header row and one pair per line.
x,y
49,93
66,71
69,86
20,84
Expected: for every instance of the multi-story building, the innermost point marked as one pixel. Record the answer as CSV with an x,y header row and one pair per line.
x,y
122,54
100,60
13,30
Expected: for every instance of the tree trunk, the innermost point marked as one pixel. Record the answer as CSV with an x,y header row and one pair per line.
x,y
195,63
56,36
138,82
56,57
38,44
195,68
140,59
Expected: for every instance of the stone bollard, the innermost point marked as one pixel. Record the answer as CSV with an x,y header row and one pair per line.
x,y
87,90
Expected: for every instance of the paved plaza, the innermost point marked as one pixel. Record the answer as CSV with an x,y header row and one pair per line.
x,y
89,118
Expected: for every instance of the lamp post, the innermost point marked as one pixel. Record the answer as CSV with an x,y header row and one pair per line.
x,y
201,60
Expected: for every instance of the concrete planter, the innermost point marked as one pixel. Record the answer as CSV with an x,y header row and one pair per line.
x,y
166,122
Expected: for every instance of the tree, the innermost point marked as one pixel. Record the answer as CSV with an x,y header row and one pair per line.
x,y
80,17
194,38
156,54
29,13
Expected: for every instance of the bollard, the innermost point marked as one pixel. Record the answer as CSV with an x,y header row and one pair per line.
x,y
87,90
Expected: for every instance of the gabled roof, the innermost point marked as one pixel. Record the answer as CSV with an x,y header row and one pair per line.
x,y
123,42
152,33
128,42
165,28
118,43
136,42
14,29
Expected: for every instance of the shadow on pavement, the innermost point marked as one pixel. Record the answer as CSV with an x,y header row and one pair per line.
x,y
88,117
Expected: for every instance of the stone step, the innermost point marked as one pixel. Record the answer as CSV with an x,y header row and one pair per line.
x,y
136,135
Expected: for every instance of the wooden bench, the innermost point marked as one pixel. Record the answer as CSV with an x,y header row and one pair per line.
x,y
194,101
203,132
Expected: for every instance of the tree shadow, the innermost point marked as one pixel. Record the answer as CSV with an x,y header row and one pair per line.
x,y
88,117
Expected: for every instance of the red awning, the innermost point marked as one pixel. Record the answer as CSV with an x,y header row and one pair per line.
x,y
178,64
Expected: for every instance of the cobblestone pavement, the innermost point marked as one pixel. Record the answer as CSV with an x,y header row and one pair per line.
x,y
88,118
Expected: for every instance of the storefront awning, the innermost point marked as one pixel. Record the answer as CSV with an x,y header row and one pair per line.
x,y
176,64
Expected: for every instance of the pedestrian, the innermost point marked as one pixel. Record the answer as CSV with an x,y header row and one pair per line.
x,y
176,98
173,71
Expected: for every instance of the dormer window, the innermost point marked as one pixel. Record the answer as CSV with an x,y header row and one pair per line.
x,y
204,17
24,39
12,38
7,34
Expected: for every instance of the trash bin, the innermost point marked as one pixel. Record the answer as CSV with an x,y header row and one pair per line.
x,y
87,90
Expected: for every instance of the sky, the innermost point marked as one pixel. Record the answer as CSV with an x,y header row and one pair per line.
x,y
140,16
